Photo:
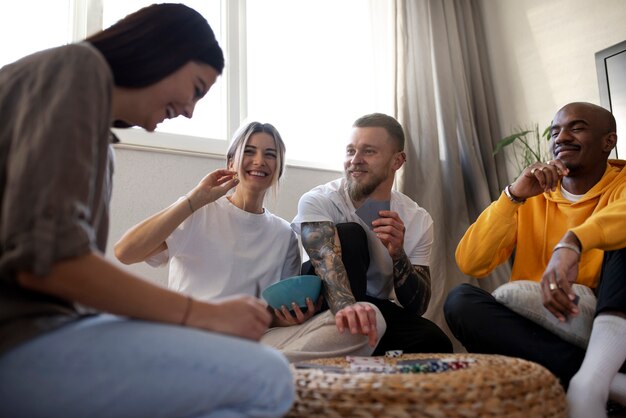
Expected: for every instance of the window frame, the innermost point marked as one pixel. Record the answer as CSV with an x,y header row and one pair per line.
x,y
88,19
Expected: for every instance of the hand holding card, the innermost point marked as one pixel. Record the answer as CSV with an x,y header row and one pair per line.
x,y
368,211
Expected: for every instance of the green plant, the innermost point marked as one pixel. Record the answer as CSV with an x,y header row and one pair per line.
x,y
529,146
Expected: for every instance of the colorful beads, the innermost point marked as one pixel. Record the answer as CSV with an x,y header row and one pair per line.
x,y
432,365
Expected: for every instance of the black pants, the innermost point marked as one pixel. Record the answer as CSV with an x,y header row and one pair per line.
x,y
405,331
483,325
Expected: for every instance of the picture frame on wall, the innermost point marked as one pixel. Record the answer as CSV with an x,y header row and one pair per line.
x,y
611,69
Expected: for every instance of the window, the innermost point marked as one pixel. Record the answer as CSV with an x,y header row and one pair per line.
x,y
312,70
21,30
308,67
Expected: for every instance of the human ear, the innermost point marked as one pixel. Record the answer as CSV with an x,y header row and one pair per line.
x,y
610,140
399,160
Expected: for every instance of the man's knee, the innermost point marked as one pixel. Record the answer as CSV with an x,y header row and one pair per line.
x,y
351,230
438,341
353,239
458,300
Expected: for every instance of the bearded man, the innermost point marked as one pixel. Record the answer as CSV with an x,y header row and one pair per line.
x,y
372,244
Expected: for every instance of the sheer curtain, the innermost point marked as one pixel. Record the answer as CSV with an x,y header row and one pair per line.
x,y
444,101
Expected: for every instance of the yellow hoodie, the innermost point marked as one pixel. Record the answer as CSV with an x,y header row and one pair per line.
x,y
533,229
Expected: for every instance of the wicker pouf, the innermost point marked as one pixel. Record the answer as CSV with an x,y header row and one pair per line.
x,y
490,386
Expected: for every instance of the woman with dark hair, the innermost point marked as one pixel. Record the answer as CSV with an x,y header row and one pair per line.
x,y
79,336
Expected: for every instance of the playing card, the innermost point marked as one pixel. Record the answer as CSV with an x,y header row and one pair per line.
x,y
366,364
368,211
325,368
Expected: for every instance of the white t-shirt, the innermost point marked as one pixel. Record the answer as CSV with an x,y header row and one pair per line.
x,y
330,202
222,250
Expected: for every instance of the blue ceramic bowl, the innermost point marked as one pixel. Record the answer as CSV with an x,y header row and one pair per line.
x,y
293,289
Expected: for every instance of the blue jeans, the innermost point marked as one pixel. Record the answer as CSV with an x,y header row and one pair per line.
x,y
107,366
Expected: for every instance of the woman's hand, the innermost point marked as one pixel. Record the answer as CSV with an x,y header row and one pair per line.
x,y
242,316
213,186
285,318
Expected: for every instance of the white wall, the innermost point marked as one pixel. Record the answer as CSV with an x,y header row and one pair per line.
x,y
145,182
541,54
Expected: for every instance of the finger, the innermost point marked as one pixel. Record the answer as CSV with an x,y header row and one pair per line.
x,y
340,322
279,315
569,293
296,309
227,185
538,173
218,176
223,180
552,176
353,322
389,214
288,316
557,301
373,334
562,170
363,318
390,222
309,305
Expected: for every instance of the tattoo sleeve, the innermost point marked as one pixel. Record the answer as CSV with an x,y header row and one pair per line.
x,y
321,242
412,284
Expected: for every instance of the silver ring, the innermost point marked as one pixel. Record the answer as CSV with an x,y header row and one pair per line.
x,y
532,172
553,286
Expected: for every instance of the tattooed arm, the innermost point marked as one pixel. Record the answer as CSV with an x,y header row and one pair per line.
x,y
321,242
412,283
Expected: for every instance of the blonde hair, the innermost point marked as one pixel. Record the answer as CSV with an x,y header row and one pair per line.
x,y
241,139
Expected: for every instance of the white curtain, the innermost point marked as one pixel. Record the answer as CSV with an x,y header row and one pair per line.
x,y
444,101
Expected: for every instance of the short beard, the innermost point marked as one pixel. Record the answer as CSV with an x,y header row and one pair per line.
x,y
358,192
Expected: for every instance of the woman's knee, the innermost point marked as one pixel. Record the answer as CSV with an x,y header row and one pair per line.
x,y
280,386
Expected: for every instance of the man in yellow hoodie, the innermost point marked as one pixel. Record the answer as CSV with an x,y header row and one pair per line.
x,y
566,221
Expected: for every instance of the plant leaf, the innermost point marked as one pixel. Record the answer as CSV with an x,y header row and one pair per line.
x,y
508,141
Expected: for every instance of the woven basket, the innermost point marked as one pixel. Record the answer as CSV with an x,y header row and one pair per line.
x,y
491,386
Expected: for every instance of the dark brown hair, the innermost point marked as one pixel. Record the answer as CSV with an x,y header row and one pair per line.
x,y
152,43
